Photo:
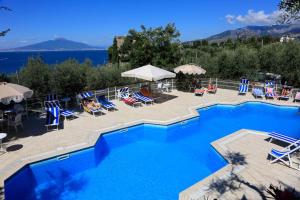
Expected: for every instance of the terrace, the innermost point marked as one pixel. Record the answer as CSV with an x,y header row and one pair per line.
x,y
34,144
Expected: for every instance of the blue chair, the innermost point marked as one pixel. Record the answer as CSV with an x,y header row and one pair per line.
x,y
51,97
86,95
244,81
123,93
244,86
243,89
269,83
139,96
270,93
105,103
52,117
285,155
63,112
258,92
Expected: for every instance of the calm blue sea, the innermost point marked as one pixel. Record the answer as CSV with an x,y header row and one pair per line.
x,y
148,162
10,62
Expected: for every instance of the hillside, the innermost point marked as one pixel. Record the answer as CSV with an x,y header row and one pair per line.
x,y
292,30
59,44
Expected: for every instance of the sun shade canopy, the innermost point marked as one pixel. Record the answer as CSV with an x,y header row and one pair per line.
x,y
13,92
190,69
149,73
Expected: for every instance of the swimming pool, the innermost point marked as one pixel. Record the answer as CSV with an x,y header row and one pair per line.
x,y
148,162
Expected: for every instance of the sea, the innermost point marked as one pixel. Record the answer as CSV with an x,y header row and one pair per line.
x,y
11,62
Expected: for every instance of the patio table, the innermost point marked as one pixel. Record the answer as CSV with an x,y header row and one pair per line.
x,y
2,136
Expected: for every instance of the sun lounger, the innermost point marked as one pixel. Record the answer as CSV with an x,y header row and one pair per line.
x,y
270,94
91,107
86,95
285,155
105,103
211,88
122,92
257,92
52,117
63,112
199,91
51,97
281,137
243,89
297,97
139,96
285,94
269,84
131,101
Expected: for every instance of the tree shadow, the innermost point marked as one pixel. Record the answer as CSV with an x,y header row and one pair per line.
x,y
60,184
235,158
1,193
233,181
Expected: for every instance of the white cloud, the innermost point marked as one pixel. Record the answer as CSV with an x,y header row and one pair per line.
x,y
23,41
230,19
253,17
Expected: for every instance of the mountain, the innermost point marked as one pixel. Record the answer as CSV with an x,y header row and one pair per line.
x,y
59,44
292,30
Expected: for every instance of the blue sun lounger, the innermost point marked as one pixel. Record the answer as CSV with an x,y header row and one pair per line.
x,y
51,97
257,92
139,96
281,137
243,89
52,117
285,155
86,95
105,103
63,112
244,86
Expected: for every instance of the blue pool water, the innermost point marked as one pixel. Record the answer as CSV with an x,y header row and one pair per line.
x,y
148,162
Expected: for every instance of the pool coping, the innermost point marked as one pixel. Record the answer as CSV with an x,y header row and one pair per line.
x,y
199,189
93,137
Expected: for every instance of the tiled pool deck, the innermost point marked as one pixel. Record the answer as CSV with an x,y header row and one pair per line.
x,y
34,144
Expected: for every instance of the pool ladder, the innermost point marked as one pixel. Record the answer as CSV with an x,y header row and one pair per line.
x,y
124,130
183,122
63,157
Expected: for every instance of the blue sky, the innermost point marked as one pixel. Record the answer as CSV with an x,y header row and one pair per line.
x,y
96,22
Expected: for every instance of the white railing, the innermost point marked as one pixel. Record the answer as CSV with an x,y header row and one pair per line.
x,y
111,92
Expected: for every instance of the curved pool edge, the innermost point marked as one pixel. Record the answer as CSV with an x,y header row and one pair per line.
x,y
14,168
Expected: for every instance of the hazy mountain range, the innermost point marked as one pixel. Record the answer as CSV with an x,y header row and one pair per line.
x,y
59,44
292,30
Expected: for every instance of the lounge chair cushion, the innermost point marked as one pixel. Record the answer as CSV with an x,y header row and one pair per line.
x,y
129,100
277,153
258,92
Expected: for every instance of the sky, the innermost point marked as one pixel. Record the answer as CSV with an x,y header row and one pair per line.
x,y
96,22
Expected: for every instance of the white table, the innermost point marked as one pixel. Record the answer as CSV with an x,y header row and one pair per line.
x,y
2,136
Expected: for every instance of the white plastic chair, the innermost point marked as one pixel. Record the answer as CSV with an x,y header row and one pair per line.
x,y
17,121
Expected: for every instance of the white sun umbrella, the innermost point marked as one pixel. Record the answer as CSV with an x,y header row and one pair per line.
x,y
190,69
149,73
13,92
